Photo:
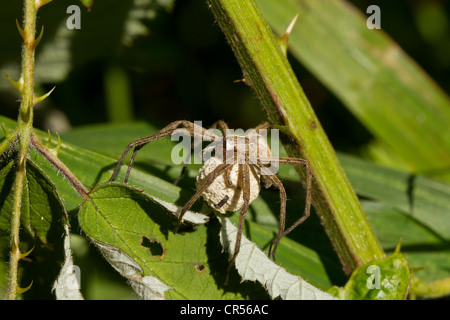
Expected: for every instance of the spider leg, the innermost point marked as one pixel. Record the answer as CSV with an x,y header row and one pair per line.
x,y
183,170
275,181
307,211
192,128
228,181
222,126
222,202
264,125
283,198
244,168
227,178
209,179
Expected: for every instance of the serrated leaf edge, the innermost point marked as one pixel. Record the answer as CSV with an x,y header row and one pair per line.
x,y
253,264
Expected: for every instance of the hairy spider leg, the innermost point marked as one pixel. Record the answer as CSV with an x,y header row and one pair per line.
x,y
273,178
227,179
223,127
192,128
244,169
283,198
264,125
208,181
300,162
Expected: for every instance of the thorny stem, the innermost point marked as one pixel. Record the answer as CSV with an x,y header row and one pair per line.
x,y
16,255
23,132
24,129
435,289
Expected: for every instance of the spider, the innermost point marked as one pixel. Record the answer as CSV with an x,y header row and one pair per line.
x,y
231,179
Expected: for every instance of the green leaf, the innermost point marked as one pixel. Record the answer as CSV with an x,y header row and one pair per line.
x,y
387,279
111,140
378,82
254,265
293,256
41,217
402,207
186,265
421,246
413,209
423,199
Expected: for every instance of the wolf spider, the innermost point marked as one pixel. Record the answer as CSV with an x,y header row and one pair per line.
x,y
237,175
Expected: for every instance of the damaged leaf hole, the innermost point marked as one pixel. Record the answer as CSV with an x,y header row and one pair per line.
x,y
199,267
154,246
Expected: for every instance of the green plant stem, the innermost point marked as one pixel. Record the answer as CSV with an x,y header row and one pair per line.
x,y
268,72
24,129
16,255
435,289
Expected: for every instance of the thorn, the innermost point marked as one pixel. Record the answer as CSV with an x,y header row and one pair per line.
x,y
397,248
36,100
240,80
415,269
291,25
16,84
38,39
5,133
40,3
23,255
285,37
54,151
21,31
22,161
49,139
20,290
58,146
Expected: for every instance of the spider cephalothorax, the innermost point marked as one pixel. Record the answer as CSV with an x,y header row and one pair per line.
x,y
231,179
